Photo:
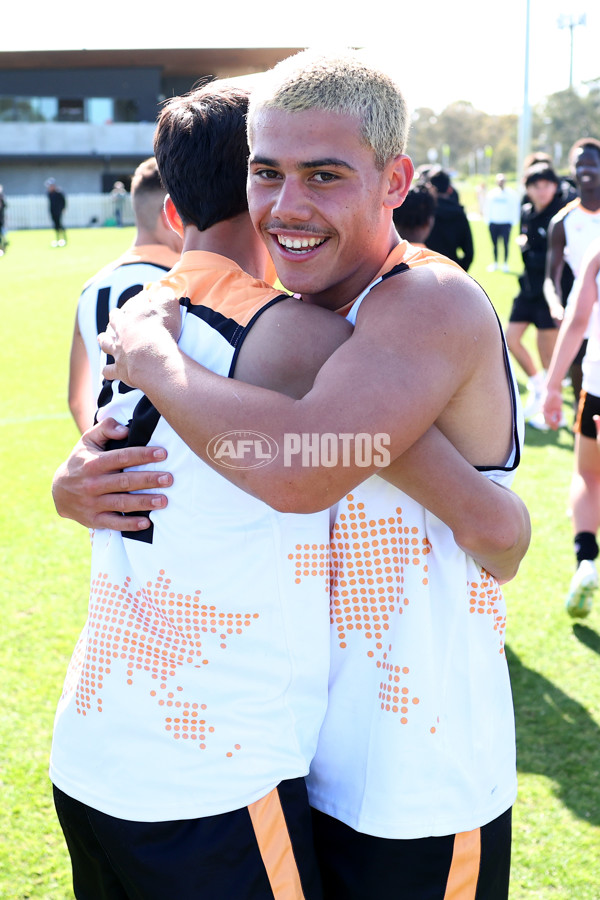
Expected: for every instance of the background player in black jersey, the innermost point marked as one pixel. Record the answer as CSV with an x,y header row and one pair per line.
x,y
544,199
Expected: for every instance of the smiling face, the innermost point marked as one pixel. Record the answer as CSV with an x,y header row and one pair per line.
x,y
586,166
320,203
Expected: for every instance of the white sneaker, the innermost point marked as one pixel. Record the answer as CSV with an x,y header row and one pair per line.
x,y
583,584
538,422
492,267
505,267
533,405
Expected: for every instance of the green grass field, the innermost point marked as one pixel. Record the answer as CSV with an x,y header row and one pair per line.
x,y
555,664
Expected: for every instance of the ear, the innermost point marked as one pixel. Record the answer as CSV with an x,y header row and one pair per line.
x,y
172,216
400,172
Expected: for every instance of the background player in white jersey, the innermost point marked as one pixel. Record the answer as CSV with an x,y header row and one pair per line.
x,y
581,314
572,231
326,170
155,249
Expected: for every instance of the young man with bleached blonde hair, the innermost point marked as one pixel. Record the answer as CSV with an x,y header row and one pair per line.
x,y
340,83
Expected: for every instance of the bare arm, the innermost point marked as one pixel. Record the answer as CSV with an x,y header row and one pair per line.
x,y
489,522
571,334
406,366
554,268
80,383
92,486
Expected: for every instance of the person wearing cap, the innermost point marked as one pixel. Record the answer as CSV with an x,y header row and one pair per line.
x,y
543,200
56,204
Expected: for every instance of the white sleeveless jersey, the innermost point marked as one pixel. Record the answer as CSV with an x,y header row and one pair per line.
x,y
591,360
112,287
418,738
582,227
200,679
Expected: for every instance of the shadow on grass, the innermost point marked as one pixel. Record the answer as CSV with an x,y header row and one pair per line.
x,y
556,736
587,636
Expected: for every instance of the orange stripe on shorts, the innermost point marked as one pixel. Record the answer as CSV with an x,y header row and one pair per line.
x,y
275,847
464,868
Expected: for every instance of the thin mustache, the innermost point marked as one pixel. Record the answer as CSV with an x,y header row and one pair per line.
x,y
295,229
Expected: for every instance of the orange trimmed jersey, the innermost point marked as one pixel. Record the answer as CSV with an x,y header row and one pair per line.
x,y
418,739
112,287
199,682
591,360
582,226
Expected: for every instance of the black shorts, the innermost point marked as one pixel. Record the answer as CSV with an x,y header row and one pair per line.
x,y
264,851
589,406
473,866
533,310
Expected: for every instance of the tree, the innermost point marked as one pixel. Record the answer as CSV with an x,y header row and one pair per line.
x,y
462,132
466,131
567,116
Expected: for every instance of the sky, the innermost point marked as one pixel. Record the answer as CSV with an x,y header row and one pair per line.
x,y
440,51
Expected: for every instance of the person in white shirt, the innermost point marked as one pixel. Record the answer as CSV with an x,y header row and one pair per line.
x,y
501,213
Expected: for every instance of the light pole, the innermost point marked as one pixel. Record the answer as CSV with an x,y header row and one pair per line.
x,y
571,22
524,137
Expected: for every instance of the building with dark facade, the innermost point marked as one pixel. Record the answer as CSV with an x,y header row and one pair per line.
x,y
87,117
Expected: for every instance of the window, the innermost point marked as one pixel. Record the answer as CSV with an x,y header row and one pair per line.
x,y
96,110
28,109
70,110
126,111
99,110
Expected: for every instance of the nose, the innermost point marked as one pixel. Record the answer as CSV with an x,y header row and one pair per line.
x,y
291,203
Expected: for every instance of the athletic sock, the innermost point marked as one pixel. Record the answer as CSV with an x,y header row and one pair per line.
x,y
586,546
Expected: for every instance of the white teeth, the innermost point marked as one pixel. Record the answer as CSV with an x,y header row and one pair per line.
x,y
299,243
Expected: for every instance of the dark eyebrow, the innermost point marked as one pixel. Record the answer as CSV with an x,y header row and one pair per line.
x,y
308,164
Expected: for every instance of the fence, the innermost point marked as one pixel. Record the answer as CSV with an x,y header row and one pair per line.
x,y
83,210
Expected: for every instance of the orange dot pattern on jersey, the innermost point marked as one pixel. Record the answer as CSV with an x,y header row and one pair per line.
x,y
156,631
368,562
485,599
311,559
394,694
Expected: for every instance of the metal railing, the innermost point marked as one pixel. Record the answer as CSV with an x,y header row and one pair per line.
x,y
83,210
